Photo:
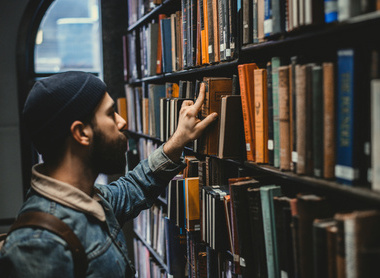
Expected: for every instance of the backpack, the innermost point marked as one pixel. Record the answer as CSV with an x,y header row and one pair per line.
x,y
43,220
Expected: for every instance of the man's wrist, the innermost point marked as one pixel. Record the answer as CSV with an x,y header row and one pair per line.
x,y
174,147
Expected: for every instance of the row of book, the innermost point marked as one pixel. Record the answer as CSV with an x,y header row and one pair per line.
x,y
316,116
208,31
269,233
202,32
264,18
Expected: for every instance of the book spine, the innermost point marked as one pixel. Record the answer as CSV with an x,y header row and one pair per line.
x,y
345,169
255,22
293,114
215,22
270,144
284,118
331,10
375,133
329,120
210,48
301,121
184,6
276,124
261,116
206,31
248,132
268,22
267,193
317,102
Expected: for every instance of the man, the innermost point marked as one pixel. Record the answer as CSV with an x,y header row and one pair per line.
x,y
71,120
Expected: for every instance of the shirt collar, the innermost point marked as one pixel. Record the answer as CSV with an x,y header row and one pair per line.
x,y
66,194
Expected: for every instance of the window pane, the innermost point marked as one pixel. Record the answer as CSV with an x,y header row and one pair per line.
x,y
69,37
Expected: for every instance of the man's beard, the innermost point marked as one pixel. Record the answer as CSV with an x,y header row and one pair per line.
x,y
108,156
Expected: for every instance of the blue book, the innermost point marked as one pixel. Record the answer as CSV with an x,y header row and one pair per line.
x,y
166,41
175,242
268,22
353,116
267,193
346,170
331,10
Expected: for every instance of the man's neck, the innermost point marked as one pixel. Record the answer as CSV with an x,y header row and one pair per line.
x,y
73,171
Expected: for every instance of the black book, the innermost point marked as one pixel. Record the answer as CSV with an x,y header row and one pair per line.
x,y
317,100
257,233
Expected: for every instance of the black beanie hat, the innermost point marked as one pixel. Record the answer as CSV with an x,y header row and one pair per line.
x,y
55,102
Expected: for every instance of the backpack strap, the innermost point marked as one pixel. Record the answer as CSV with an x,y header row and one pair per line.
x,y
39,219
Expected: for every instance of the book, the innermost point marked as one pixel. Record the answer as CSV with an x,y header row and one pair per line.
x,y
122,108
276,63
231,136
156,92
293,113
284,117
317,131
329,128
192,204
375,133
267,193
247,103
166,44
270,114
215,89
352,136
301,121
261,116
259,264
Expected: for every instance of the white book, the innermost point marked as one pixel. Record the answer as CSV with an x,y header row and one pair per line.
x,y
375,133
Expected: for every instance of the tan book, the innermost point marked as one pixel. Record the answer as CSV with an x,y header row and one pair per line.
x,y
122,108
261,116
145,115
284,117
192,204
216,87
301,119
328,120
216,31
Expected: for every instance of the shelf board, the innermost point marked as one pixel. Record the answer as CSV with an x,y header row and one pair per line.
x,y
147,17
358,192
153,252
214,68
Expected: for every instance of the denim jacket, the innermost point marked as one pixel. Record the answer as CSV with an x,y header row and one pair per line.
x,y
97,222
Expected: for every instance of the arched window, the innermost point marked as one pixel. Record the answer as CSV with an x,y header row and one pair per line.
x,y
69,38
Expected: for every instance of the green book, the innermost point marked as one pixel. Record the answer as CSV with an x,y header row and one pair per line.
x,y
267,193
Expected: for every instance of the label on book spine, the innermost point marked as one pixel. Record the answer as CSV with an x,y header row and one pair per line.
x,y
345,172
294,157
270,145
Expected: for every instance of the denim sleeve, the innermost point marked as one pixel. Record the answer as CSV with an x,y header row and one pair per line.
x,y
139,188
36,257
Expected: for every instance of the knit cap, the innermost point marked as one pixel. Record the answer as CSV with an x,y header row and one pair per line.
x,y
55,102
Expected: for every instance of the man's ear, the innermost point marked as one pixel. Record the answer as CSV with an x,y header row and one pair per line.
x,y
81,133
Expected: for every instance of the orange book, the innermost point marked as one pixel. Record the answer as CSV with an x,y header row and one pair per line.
x,y
199,36
247,102
159,46
122,108
192,203
205,59
284,117
261,116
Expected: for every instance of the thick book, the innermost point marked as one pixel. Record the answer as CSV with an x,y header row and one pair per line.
x,y
329,120
283,220
231,136
284,117
122,108
219,232
320,246
240,207
152,38
159,45
175,249
267,193
261,116
276,63
246,72
301,121
353,136
310,207
156,92
166,44
259,264
192,204
317,103
216,87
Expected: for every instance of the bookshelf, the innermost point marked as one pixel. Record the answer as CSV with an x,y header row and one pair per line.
x,y
312,44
